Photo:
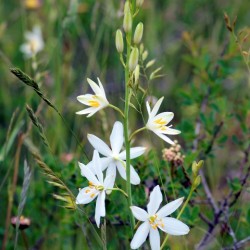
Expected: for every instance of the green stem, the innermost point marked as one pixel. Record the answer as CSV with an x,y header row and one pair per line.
x,y
117,109
135,132
118,189
126,129
171,180
179,214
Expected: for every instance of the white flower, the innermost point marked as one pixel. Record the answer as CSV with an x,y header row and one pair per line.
x,y
34,42
158,123
152,220
97,188
96,102
113,157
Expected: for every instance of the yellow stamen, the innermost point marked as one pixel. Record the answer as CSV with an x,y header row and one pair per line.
x,y
95,104
92,195
155,222
87,191
160,121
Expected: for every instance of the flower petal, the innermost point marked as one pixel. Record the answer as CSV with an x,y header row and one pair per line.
x,y
94,87
110,177
154,200
173,226
116,138
134,153
148,108
85,111
99,145
88,174
166,116
154,238
101,87
156,107
134,177
139,213
140,235
164,137
169,208
170,131
84,99
97,166
100,210
86,195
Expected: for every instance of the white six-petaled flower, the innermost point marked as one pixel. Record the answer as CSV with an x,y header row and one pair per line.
x,y
154,219
114,159
158,123
97,188
34,42
95,102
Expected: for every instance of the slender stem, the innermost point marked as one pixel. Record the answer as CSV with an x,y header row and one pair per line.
x,y
171,180
117,109
135,132
126,128
179,214
118,189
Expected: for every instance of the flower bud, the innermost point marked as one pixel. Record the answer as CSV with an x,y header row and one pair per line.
x,y
138,33
197,182
127,21
196,167
126,7
144,55
139,3
150,63
119,41
133,59
137,74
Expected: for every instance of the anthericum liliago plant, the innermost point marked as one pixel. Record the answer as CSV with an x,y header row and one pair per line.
x,y
101,171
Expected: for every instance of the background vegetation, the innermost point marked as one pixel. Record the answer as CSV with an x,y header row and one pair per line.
x,y
205,83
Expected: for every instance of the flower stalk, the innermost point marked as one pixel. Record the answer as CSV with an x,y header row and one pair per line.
x,y
126,118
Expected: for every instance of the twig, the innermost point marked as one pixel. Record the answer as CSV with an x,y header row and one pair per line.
x,y
238,244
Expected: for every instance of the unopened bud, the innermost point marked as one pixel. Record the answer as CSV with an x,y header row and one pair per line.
x,y
197,182
139,3
137,74
138,33
127,21
119,41
196,167
133,59
126,7
144,55
141,48
150,63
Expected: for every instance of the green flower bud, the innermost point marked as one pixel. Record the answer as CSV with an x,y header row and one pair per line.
x,y
139,3
144,55
119,41
196,167
127,21
137,74
138,33
126,7
150,63
133,59
197,182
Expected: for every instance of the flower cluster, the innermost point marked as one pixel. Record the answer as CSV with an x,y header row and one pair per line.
x,y
108,159
173,154
113,160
